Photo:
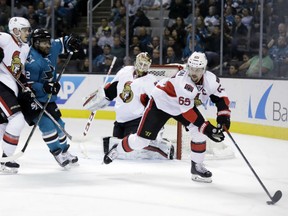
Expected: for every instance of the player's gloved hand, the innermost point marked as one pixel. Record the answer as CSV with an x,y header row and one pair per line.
x,y
1,54
212,132
51,87
28,95
72,43
223,118
97,100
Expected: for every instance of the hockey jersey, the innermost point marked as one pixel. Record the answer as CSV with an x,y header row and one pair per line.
x,y
40,70
177,95
15,55
130,93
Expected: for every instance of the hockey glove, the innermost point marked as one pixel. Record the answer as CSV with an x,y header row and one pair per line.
x,y
1,54
28,95
72,43
51,87
97,100
212,132
223,118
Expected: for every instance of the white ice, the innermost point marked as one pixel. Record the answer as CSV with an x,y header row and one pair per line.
x,y
143,187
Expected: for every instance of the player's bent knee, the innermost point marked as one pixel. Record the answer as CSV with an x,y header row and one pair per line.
x,y
136,142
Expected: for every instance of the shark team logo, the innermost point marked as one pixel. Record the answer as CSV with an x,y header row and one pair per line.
x,y
260,112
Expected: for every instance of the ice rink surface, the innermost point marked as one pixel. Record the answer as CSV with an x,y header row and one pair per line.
x,y
143,187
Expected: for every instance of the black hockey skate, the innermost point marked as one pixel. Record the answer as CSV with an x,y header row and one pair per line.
x,y
111,155
10,167
200,173
62,160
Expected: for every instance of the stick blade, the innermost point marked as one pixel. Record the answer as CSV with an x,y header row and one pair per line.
x,y
277,196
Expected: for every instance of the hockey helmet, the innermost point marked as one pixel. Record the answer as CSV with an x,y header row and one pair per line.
x,y
18,23
196,65
40,35
142,63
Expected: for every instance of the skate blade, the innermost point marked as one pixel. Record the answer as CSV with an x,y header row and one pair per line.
x,y
8,171
198,178
76,164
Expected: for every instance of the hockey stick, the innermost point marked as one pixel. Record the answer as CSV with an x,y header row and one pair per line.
x,y
278,194
41,107
92,115
19,154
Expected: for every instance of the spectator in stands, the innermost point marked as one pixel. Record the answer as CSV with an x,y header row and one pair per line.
x,y
229,16
139,19
135,52
279,54
84,66
233,70
282,31
188,50
117,50
177,48
120,17
178,8
5,12
170,56
144,38
98,60
252,65
107,37
150,4
179,25
96,49
238,35
133,6
155,44
41,13
213,41
115,10
104,67
155,57
247,18
212,19
104,25
201,29
20,10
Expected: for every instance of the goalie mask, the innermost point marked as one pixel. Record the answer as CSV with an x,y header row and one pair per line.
x,y
142,64
20,28
196,66
41,41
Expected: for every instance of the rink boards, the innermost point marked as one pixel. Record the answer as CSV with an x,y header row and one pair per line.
x,y
259,107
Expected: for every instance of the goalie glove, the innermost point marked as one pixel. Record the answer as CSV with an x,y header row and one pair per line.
x,y
97,100
223,119
212,132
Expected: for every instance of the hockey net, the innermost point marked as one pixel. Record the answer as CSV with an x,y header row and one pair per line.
x,y
176,133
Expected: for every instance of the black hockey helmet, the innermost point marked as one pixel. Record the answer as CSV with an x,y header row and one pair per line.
x,y
39,35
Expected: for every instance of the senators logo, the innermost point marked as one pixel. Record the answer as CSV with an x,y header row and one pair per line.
x,y
127,94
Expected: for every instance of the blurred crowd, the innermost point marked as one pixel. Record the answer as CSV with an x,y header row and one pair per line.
x,y
241,33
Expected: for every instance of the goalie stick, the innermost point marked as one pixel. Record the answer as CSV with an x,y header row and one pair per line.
x,y
278,194
19,154
92,115
41,107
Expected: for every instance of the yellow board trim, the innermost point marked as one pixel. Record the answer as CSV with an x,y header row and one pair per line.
x,y
237,127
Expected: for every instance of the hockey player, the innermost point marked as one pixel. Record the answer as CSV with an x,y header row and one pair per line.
x,y
175,98
41,75
131,87
13,53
